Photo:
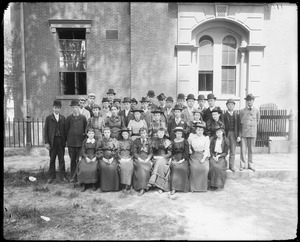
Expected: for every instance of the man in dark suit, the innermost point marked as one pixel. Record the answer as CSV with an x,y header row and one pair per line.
x,y
150,95
75,133
232,130
201,103
126,113
168,110
55,141
207,114
177,121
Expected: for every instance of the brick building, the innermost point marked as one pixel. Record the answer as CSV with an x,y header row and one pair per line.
x,y
64,50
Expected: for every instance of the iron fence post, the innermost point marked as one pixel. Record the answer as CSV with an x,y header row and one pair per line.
x,y
291,126
28,132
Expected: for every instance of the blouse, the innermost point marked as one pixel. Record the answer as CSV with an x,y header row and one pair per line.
x,y
199,144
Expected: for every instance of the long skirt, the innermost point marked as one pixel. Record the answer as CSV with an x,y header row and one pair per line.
x,y
217,172
198,173
160,176
141,174
126,171
109,176
179,179
87,172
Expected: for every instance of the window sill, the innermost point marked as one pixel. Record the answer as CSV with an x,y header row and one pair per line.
x,y
70,97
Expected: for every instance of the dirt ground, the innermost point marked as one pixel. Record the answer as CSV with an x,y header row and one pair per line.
x,y
247,209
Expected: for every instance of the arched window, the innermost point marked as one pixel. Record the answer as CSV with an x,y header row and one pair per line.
x,y
229,53
205,77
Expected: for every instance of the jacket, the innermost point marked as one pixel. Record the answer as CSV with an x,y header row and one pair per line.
x,y
236,124
249,122
75,130
224,146
49,129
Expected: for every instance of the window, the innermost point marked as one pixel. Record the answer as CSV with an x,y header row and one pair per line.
x,y
205,77
228,81
72,61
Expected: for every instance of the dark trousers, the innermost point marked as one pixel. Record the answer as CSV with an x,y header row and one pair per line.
x,y
232,147
74,153
57,150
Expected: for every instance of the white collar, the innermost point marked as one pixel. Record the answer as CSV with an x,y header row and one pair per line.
x,y
92,141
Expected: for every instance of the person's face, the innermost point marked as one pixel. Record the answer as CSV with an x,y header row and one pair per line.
x,y
75,109
143,134
215,116
81,103
151,99
169,104
230,106
219,133
199,131
137,116
180,101
157,116
127,105
144,105
133,105
201,103
160,134
117,104
190,102
114,111
197,116
96,112
91,100
161,102
178,134
106,133
110,97
105,104
211,102
177,113
56,109
91,134
250,103
125,135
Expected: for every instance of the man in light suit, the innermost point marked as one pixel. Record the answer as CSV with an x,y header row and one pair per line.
x,y
82,109
249,117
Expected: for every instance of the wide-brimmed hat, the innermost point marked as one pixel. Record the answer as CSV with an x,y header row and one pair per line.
x,y
137,110
179,128
111,91
96,106
230,100
177,107
197,111
249,97
117,100
74,102
211,96
157,110
150,93
91,94
180,96
169,99
161,97
126,100
201,97
81,99
144,99
190,96
105,100
199,125
124,129
56,103
216,109
218,127
133,100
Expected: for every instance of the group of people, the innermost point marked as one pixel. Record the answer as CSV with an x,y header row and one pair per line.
x,y
165,146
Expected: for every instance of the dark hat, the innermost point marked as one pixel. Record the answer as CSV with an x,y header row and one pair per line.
x,y
161,97
216,109
250,97
150,93
180,96
117,100
81,99
191,96
56,103
105,99
197,111
169,99
137,110
111,91
177,107
199,125
230,100
179,128
201,97
126,100
218,127
74,103
91,94
211,96
96,106
124,129
157,110
144,99
133,100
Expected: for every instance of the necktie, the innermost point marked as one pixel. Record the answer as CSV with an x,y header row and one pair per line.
x,y
250,109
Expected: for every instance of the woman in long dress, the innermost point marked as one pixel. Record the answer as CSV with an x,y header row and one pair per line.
x,y
115,122
107,154
142,153
125,159
162,151
199,164
217,163
135,124
96,122
179,180
87,168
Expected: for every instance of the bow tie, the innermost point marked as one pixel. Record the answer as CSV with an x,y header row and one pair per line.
x,y
250,109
